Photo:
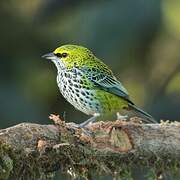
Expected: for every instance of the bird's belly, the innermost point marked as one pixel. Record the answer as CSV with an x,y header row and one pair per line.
x,y
87,99
81,97
110,103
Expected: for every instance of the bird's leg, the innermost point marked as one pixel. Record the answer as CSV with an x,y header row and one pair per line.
x,y
121,117
84,124
90,120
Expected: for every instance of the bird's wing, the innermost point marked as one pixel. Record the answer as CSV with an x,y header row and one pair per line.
x,y
109,83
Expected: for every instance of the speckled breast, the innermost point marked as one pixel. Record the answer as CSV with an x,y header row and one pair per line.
x,y
78,91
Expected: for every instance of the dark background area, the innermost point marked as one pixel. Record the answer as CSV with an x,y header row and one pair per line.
x,y
139,40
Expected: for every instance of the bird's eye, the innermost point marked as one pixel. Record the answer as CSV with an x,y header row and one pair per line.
x,y
64,55
58,55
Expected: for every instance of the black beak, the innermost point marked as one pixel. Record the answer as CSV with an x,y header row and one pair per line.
x,y
49,56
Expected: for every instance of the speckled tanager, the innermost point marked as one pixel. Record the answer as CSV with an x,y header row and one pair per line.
x,y
90,86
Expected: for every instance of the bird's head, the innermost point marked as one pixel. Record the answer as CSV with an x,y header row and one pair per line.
x,y
70,56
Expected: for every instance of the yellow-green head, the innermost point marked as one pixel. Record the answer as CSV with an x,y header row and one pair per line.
x,y
71,55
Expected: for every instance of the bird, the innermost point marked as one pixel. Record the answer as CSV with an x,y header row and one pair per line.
x,y
90,86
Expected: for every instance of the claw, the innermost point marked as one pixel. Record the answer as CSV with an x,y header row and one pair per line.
x,y
120,117
90,120
85,130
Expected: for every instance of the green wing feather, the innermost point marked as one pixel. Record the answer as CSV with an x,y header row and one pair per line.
x,y
111,85
107,82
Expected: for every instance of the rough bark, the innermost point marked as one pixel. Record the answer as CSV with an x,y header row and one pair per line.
x,y
34,151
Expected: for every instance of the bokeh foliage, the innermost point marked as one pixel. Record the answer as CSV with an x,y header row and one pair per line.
x,y
139,40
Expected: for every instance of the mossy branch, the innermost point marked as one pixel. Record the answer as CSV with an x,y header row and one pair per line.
x,y
33,151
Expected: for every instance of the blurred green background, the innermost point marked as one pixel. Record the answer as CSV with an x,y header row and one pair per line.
x,y
139,40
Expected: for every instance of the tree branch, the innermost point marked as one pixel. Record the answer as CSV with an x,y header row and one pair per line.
x,y
33,151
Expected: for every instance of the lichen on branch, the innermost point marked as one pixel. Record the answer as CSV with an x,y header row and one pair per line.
x,y
34,151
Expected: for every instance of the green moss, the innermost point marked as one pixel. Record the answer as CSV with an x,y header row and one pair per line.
x,y
6,163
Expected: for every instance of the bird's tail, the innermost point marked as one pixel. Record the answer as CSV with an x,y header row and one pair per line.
x,y
146,118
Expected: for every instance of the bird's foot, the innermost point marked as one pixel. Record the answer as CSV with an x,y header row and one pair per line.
x,y
83,126
84,130
89,121
121,117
